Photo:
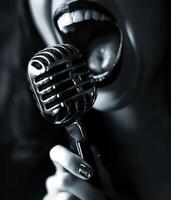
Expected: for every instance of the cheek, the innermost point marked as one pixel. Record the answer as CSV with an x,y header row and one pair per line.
x,y
144,26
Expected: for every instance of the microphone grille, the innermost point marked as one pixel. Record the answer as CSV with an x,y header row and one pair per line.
x,y
62,83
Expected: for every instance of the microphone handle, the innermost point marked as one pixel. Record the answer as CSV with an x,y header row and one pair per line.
x,y
79,145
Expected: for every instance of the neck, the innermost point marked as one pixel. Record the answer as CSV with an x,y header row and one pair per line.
x,y
148,113
141,134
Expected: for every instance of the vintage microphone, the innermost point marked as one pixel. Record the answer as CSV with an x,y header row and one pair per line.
x,y
64,89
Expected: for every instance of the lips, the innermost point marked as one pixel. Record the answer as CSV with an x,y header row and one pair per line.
x,y
92,29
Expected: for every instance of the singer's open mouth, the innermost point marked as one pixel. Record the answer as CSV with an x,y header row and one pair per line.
x,y
93,30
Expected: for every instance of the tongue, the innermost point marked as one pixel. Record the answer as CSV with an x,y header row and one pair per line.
x,y
103,54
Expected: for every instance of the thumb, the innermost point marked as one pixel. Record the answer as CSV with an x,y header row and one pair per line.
x,y
62,157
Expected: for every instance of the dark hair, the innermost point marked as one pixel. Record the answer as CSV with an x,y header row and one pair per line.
x,y
22,128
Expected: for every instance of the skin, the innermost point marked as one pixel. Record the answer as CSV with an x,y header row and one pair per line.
x,y
137,111
67,183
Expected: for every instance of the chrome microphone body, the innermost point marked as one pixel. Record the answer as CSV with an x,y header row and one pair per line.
x,y
64,90
61,83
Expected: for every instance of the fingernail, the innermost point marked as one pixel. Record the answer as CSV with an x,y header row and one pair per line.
x,y
85,172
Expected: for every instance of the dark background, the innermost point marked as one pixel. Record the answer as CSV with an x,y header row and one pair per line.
x,y
24,134
25,137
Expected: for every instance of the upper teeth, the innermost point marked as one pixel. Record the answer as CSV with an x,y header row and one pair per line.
x,y
79,16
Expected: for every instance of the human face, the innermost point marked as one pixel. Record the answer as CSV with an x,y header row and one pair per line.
x,y
130,36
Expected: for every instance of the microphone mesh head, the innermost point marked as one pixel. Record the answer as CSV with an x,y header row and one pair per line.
x,y
62,83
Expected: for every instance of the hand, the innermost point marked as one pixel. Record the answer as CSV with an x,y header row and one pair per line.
x,y
68,184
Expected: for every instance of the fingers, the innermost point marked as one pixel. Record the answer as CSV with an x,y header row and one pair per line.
x,y
70,180
66,182
85,190
66,196
71,162
60,196
59,182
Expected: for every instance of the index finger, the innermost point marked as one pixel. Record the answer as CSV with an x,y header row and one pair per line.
x,y
71,162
